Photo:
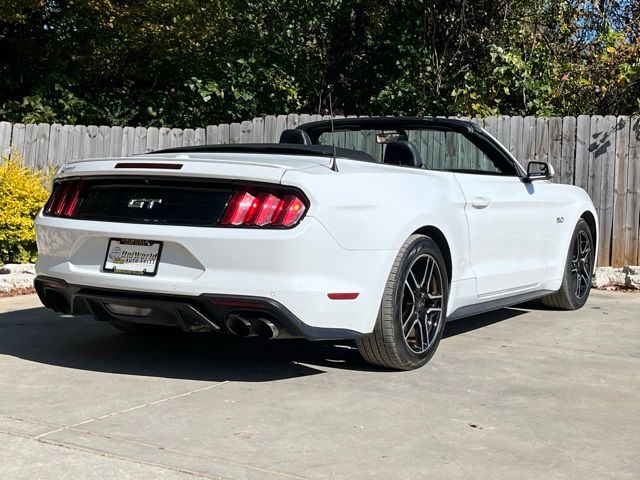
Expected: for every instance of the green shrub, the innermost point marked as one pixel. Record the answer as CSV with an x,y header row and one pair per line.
x,y
23,192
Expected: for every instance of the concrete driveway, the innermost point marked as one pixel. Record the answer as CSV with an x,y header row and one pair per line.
x,y
518,393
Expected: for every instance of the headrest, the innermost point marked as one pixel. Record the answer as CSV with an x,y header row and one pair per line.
x,y
402,152
293,135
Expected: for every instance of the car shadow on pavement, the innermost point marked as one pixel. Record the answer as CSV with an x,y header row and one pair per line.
x,y
468,324
39,335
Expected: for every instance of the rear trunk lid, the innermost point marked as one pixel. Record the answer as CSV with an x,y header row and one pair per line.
x,y
229,166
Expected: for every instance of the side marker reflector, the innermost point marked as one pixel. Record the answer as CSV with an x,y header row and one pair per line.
x,y
343,296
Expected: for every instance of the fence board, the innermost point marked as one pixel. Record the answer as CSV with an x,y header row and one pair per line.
x,y
583,131
235,133
632,214
515,138
188,137
528,141
17,138
246,131
128,141
164,138
140,141
281,125
555,146
89,141
257,130
5,139
200,137
55,146
115,142
618,251
542,139
66,145
594,182
568,149
504,130
30,144
293,120
608,183
104,139
212,135
153,139
270,134
42,145
224,133
78,142
176,137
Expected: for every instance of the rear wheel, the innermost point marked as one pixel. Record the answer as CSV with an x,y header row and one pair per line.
x,y
578,272
413,309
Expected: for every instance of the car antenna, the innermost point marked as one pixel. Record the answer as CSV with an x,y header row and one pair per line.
x,y
334,163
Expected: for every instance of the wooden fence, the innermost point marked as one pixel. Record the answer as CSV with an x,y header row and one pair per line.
x,y
598,153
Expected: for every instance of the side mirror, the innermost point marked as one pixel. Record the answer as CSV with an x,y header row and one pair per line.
x,y
539,171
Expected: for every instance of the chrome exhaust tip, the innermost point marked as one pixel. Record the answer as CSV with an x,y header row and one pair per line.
x,y
265,328
239,326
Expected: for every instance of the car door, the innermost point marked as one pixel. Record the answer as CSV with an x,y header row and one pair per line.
x,y
510,222
509,229
508,219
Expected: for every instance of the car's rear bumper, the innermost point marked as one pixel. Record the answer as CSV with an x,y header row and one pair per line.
x,y
295,268
203,313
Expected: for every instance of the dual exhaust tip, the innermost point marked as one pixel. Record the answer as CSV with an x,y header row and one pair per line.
x,y
251,327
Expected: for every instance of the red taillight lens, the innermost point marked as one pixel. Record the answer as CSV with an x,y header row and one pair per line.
x,y
53,200
65,198
263,209
67,190
270,207
74,199
240,209
291,212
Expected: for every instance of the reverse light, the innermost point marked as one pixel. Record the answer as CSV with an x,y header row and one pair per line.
x,y
263,209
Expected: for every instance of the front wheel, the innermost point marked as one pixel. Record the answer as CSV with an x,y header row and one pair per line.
x,y
413,310
578,272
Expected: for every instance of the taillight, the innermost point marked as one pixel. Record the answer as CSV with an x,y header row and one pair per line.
x,y
263,209
65,198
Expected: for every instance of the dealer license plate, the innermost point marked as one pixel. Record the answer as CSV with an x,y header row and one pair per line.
x,y
133,257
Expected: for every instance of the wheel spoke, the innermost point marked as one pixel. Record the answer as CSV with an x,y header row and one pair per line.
x,y
428,329
428,271
407,331
404,322
413,297
421,308
421,330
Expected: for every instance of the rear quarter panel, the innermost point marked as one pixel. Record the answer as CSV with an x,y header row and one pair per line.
x,y
377,207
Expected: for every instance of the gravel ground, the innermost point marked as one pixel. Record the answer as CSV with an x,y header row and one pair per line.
x,y
16,279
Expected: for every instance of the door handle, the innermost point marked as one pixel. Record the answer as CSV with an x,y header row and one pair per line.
x,y
480,202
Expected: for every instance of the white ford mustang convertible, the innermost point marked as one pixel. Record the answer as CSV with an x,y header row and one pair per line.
x,y
376,230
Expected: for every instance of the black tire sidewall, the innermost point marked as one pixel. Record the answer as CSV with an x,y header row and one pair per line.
x,y
420,246
576,302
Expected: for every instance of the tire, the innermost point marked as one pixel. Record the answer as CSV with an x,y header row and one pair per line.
x,y
133,328
578,268
388,346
